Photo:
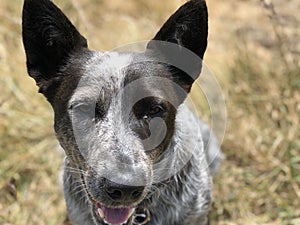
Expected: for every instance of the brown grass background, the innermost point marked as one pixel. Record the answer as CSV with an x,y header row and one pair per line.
x,y
254,51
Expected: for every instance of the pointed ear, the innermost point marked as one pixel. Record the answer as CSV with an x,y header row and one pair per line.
x,y
48,38
187,29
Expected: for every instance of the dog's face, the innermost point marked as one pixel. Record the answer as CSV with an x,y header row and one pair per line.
x,y
115,112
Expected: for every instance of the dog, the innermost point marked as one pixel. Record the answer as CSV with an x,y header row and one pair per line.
x,y
135,153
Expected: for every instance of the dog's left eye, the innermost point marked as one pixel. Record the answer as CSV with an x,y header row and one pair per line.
x,y
155,111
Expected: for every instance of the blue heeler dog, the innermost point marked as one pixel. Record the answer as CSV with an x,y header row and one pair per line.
x,y
135,153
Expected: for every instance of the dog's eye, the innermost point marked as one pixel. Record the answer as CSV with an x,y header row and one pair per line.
x,y
156,111
83,108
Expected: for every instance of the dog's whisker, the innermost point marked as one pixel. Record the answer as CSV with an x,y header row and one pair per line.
x,y
75,170
77,189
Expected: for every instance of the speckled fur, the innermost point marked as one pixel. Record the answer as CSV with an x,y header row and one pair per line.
x,y
176,173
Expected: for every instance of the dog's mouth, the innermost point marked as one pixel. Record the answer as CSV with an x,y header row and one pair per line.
x,y
122,216
114,216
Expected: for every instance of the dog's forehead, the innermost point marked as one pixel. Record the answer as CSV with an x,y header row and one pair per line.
x,y
106,68
109,72
102,71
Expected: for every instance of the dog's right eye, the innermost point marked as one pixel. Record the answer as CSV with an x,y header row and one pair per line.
x,y
82,108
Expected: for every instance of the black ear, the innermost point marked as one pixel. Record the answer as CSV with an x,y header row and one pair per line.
x,y
186,29
48,38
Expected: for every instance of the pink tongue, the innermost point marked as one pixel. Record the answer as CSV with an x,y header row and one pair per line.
x,y
116,216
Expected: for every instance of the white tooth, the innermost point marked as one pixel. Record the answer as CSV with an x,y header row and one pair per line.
x,y
101,213
131,211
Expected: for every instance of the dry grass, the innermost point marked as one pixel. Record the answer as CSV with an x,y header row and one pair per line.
x,y
254,51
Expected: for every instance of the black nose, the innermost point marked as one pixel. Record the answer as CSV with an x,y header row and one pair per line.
x,y
122,193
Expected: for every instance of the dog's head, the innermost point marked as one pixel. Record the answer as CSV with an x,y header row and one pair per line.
x,y
114,112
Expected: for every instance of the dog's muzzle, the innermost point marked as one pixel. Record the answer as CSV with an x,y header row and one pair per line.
x,y
116,204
